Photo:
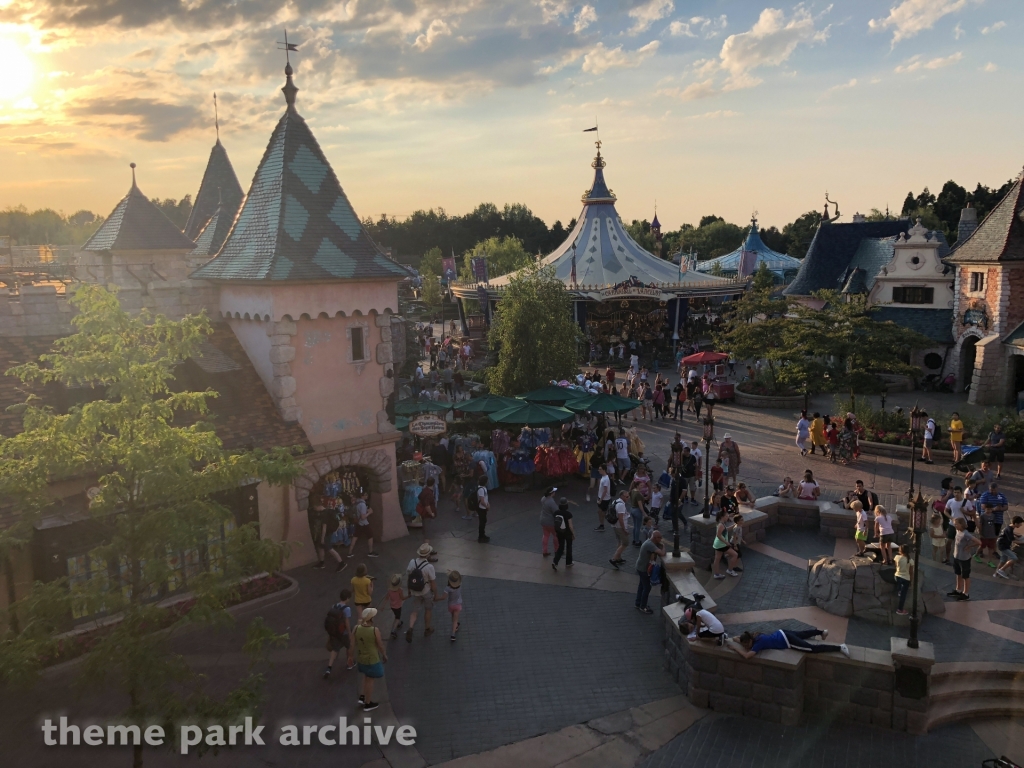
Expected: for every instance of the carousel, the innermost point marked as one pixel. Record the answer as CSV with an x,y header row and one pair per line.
x,y
621,293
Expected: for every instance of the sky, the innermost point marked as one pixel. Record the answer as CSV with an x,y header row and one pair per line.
x,y
704,106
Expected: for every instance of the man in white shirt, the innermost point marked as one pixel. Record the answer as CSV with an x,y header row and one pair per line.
x,y
623,526
622,453
929,438
957,507
422,599
604,496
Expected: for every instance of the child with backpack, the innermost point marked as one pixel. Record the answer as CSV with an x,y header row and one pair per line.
x,y
338,625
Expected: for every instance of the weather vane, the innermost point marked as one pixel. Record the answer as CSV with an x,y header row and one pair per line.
x,y
287,48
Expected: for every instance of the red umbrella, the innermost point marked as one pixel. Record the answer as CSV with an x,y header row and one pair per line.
x,y
701,358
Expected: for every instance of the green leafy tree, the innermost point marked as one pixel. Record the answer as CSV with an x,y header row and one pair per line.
x,y
755,328
503,255
176,210
431,289
157,466
800,232
764,280
432,262
533,334
641,232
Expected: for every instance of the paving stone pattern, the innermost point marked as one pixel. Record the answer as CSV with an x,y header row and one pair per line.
x,y
530,659
1011,619
953,642
802,542
766,584
732,742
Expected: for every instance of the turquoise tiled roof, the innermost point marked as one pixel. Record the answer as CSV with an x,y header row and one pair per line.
x,y
296,223
779,263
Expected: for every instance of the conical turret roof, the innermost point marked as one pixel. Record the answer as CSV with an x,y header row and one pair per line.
x,y
296,224
219,188
136,224
779,263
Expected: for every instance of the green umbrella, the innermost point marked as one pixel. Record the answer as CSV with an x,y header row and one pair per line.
x,y
531,414
413,406
553,395
602,403
487,404
401,423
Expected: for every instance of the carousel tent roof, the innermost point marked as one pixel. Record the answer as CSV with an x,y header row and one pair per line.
x,y
607,256
779,263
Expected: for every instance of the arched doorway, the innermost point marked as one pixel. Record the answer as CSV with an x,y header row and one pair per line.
x,y
968,355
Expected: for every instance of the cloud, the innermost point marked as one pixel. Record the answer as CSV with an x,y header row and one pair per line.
x,y
990,67
717,114
958,31
692,92
437,29
993,28
586,16
600,59
649,12
769,43
851,83
698,26
913,16
151,120
918,62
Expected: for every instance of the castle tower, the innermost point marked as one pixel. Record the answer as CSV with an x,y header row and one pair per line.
x,y
220,192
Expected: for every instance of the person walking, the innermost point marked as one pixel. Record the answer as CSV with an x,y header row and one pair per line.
x,y
548,507
370,657
1008,537
604,496
749,644
483,505
454,594
803,433
817,433
729,453
680,399
885,533
565,533
688,471
929,439
996,445
697,400
621,528
649,549
338,625
362,589
363,530
396,597
421,579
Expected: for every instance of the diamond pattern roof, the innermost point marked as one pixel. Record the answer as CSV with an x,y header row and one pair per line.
x,y
1000,237
212,236
832,250
136,224
779,263
219,189
296,223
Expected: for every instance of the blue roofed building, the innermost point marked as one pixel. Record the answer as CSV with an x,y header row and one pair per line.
x,y
749,257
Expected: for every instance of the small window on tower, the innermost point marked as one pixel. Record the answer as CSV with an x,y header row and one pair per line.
x,y
977,282
358,347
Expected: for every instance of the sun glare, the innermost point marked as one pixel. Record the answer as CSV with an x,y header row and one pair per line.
x,y
16,70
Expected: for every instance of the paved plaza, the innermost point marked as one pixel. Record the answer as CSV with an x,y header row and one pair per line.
x,y
558,668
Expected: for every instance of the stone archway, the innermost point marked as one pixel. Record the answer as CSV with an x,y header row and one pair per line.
x,y
374,461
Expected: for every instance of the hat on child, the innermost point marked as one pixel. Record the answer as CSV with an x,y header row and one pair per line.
x,y
454,578
424,550
396,580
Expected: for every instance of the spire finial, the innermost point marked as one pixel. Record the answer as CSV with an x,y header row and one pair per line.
x,y
216,117
289,88
132,166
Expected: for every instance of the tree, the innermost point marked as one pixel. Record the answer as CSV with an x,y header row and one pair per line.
x,y
764,280
800,232
503,255
176,210
431,288
533,334
157,467
641,232
432,262
754,328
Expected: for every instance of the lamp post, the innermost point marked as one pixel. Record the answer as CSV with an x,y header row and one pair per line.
x,y
709,435
919,508
675,528
885,393
917,418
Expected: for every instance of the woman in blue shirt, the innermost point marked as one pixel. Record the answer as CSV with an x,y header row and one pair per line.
x,y
749,644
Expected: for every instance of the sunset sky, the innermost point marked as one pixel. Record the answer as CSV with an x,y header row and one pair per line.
x,y
705,106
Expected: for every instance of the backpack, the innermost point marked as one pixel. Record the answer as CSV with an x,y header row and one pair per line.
x,y
417,582
612,515
473,502
937,434
1005,538
335,620
559,521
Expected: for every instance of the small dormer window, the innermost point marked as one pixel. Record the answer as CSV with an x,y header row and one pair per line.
x,y
977,282
913,295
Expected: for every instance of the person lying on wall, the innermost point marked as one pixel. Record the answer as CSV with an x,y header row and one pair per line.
x,y
749,644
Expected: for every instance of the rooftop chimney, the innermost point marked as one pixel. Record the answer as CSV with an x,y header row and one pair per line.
x,y
858,218
968,223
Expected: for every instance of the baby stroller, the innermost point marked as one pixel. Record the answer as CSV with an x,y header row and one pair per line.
x,y
971,459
